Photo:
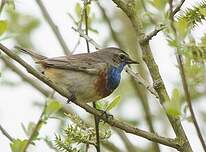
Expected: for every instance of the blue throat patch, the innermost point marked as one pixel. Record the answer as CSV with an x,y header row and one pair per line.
x,y
114,76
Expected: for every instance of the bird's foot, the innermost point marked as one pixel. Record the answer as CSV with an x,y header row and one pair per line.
x,y
106,115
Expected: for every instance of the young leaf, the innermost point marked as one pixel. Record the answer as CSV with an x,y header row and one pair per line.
x,y
3,26
182,27
173,107
78,9
159,4
53,107
18,145
101,105
114,103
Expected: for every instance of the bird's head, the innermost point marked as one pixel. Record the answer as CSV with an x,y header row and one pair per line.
x,y
116,57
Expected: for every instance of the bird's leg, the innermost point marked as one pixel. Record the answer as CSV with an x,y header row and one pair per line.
x,y
71,98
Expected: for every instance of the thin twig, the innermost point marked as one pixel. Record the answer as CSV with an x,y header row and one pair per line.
x,y
184,79
113,122
54,28
96,118
36,128
189,101
177,9
90,40
6,134
137,77
153,33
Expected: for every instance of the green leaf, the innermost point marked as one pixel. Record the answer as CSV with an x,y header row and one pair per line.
x,y
53,107
18,145
183,27
101,105
114,103
78,9
173,107
88,8
3,26
159,4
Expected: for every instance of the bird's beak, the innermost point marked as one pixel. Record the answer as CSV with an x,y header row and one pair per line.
x,y
130,61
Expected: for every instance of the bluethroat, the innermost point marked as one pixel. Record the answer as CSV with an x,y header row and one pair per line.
x,y
87,76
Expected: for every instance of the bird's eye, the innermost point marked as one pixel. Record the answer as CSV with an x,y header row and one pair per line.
x,y
122,56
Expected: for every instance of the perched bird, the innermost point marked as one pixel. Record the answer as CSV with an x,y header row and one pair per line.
x,y
87,76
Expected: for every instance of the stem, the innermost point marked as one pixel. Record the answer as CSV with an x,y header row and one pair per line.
x,y
6,134
54,28
36,129
96,119
189,101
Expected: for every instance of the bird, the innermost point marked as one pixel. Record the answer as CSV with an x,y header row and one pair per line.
x,y
87,77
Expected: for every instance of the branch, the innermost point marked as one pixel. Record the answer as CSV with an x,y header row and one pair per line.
x,y
137,77
54,28
5,133
177,9
153,33
81,33
36,129
113,122
130,10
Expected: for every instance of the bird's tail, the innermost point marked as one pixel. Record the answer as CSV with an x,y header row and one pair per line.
x,y
34,55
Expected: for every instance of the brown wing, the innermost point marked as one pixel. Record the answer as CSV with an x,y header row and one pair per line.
x,y
80,62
